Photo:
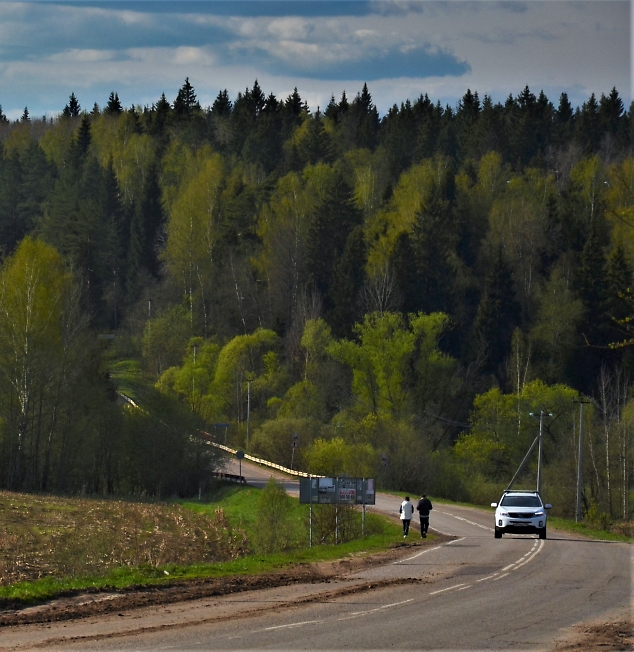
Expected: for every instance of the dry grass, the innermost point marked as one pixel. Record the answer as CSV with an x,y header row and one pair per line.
x,y
44,536
626,528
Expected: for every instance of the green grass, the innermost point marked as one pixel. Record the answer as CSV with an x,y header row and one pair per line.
x,y
238,505
586,529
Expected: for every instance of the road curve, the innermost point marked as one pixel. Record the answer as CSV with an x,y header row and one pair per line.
x,y
472,593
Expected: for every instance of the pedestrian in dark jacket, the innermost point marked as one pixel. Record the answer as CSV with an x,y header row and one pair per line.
x,y
423,507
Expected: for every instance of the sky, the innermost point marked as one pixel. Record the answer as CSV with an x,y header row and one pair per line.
x,y
141,49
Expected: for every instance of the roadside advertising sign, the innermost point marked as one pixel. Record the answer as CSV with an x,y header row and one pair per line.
x,y
333,491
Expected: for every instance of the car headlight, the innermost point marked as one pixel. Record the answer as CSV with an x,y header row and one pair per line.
x,y
540,513
502,513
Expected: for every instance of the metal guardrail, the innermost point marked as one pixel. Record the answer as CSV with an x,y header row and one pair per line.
x,y
257,460
233,451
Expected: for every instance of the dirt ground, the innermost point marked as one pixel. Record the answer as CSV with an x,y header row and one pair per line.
x,y
617,634
86,604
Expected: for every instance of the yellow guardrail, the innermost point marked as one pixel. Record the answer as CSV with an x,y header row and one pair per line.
x,y
257,460
233,451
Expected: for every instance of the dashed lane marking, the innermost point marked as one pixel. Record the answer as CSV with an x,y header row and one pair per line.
x,y
450,588
383,606
539,549
500,577
305,622
487,578
460,518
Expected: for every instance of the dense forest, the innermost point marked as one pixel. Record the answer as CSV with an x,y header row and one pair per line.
x,y
398,291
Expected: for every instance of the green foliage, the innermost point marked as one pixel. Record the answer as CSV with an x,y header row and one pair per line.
x,y
502,431
164,340
382,359
335,457
366,275
274,531
274,440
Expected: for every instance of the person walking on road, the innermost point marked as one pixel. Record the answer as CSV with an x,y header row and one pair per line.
x,y
407,511
423,507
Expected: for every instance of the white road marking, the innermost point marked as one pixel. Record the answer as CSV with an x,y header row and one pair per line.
x,y
465,587
484,527
383,606
486,578
400,561
455,541
501,576
447,589
539,549
447,534
306,622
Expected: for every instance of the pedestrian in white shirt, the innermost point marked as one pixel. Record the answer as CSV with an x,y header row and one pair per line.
x,y
407,511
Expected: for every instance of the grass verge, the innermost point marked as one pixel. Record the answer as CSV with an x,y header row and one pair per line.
x,y
237,506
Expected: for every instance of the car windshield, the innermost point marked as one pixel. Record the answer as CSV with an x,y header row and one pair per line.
x,y
521,501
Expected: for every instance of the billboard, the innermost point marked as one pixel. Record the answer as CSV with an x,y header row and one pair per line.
x,y
332,491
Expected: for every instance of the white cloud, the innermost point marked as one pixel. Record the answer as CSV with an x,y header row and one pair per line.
x,y
46,51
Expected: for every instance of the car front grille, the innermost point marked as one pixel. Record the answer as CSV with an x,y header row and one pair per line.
x,y
521,515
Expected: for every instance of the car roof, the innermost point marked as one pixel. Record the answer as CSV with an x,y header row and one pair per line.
x,y
523,493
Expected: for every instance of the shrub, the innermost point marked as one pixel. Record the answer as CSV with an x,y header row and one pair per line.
x,y
274,526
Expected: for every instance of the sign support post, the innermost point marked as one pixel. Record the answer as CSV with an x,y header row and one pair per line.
x,y
310,511
363,503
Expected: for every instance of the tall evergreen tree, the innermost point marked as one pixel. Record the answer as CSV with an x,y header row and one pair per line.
x,y
186,102
497,317
72,109
348,276
328,234
114,105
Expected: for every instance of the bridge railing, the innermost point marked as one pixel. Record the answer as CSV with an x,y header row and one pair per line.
x,y
209,439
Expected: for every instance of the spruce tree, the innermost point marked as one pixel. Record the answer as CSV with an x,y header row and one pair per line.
x,y
222,105
328,234
498,315
186,102
348,276
114,105
72,109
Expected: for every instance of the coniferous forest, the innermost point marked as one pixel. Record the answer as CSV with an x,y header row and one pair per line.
x,y
399,291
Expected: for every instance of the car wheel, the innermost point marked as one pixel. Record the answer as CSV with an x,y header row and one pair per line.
x,y
542,533
498,533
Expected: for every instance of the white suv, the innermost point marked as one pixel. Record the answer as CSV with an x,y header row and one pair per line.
x,y
521,512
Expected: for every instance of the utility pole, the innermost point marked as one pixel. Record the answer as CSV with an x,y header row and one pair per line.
x,y
582,403
540,449
540,452
194,375
250,378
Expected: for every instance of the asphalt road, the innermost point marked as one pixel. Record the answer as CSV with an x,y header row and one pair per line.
x,y
472,593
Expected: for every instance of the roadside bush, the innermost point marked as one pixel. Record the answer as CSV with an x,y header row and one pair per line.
x,y
335,523
274,525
